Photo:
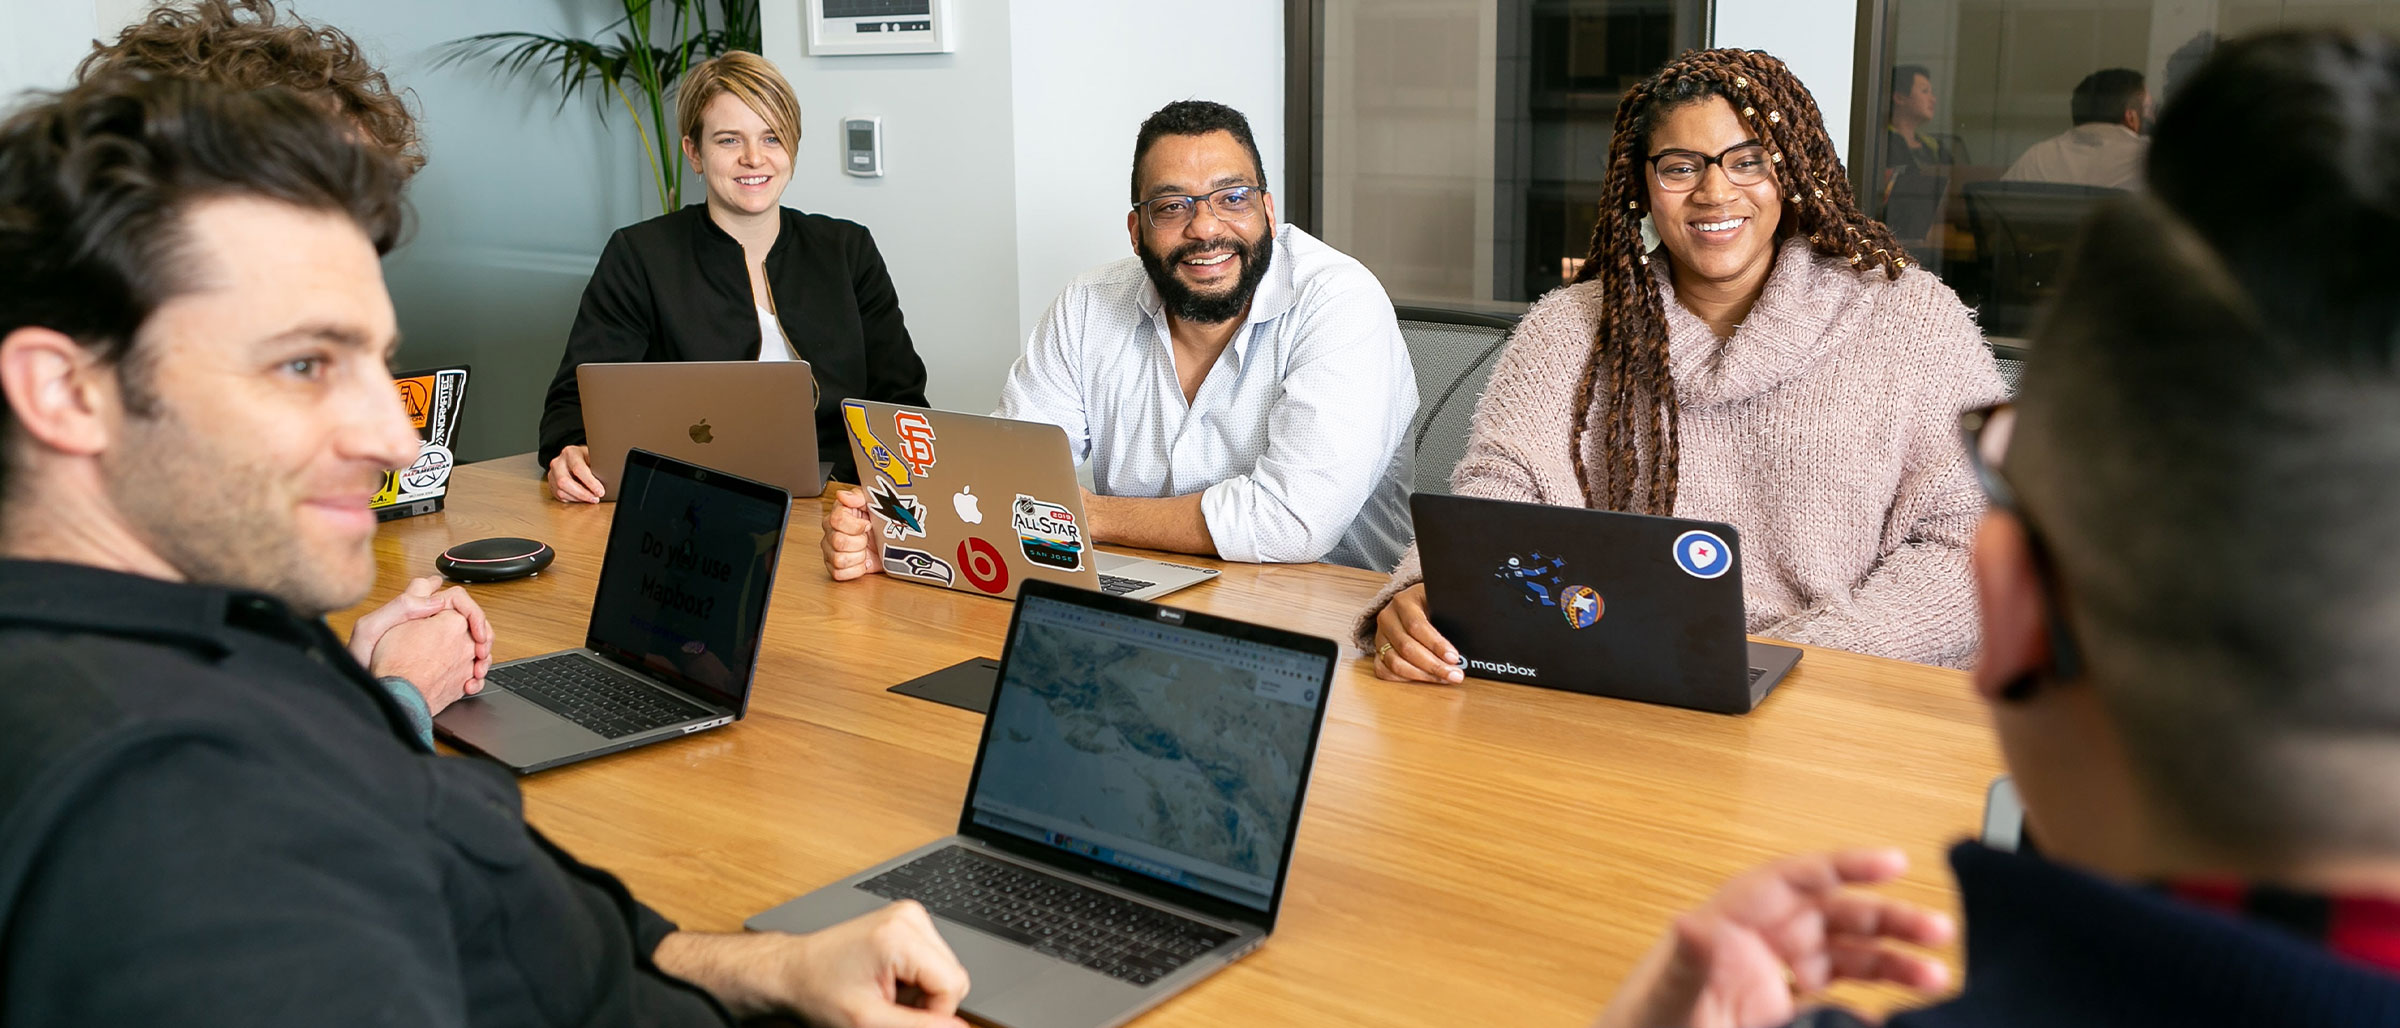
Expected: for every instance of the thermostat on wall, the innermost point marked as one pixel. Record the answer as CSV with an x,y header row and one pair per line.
x,y
841,27
862,147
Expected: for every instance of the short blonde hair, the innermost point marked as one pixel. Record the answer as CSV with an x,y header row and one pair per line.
x,y
745,75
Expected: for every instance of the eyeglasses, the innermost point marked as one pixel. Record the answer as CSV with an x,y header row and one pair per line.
x,y
1680,171
1175,210
1986,432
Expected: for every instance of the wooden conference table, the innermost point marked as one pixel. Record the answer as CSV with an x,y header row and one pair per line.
x,y
1485,854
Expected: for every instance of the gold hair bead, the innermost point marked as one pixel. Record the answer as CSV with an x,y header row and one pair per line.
x,y
1777,157
1633,205
1820,194
1901,264
1740,81
1645,260
1749,112
1775,116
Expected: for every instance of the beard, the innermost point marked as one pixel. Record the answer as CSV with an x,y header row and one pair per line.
x,y
1188,304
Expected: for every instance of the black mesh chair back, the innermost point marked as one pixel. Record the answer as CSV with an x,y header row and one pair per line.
x,y
1453,351
2023,231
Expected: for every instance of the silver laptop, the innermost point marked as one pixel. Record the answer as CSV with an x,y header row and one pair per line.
x,y
757,419
674,634
965,501
1129,825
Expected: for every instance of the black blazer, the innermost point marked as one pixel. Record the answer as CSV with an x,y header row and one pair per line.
x,y
674,288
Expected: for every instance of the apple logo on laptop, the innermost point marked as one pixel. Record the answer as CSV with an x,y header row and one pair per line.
x,y
968,505
700,432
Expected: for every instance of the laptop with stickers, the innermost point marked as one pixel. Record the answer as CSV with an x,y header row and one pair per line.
x,y
1129,825
965,501
1625,605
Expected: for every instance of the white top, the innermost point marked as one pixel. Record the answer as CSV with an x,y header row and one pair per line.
x,y
772,346
2103,154
1298,438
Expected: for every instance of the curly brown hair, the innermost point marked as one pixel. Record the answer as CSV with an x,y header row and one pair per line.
x,y
244,44
1628,364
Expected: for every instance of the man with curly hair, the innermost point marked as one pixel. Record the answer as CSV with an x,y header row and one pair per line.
x,y
247,44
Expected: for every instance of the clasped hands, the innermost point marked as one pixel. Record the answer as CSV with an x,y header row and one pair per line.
x,y
436,638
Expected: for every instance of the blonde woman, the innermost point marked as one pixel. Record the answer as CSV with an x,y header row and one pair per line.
x,y
737,276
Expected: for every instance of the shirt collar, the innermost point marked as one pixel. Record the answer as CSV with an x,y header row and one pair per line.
x,y
210,621
1275,296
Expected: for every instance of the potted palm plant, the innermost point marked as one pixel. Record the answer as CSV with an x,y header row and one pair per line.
x,y
636,59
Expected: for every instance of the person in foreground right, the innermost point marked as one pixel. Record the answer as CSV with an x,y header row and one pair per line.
x,y
2188,648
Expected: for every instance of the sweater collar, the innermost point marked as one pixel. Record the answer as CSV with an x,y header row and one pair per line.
x,y
1788,330
2042,936
716,235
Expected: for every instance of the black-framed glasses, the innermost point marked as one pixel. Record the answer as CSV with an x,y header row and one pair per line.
x,y
1680,171
1175,210
1986,432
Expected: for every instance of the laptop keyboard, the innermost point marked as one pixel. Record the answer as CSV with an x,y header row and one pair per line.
x,y
1116,585
597,697
1117,937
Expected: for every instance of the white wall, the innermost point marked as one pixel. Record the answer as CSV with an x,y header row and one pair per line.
x,y
1817,38
1006,161
944,214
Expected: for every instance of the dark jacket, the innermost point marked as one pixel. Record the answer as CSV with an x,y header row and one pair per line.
x,y
210,815
2049,945
674,288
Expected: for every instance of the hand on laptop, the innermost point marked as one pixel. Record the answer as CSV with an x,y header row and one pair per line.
x,y
848,543
571,477
888,969
424,654
1407,649
1778,933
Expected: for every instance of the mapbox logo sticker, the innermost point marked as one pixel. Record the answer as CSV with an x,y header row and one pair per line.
x,y
982,565
903,515
1702,555
916,441
917,564
877,455
1048,532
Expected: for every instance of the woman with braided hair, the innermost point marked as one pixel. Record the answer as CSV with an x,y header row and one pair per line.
x,y
1777,362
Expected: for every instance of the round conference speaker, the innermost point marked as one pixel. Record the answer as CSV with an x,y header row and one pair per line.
x,y
493,560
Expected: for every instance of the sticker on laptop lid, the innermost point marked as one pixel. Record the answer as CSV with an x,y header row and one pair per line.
x,y
903,515
1049,533
877,455
1581,604
982,565
1702,555
429,471
1534,578
916,441
917,564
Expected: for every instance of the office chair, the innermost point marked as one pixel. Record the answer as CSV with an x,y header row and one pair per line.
x,y
1453,352
2023,231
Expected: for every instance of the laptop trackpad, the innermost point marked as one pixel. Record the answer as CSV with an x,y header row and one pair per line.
x,y
1011,985
512,729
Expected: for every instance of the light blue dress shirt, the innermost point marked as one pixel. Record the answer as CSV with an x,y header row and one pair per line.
x,y
1296,440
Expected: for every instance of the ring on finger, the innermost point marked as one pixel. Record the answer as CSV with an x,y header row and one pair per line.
x,y
1384,650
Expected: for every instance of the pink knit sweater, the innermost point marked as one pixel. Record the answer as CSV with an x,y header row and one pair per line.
x,y
1825,431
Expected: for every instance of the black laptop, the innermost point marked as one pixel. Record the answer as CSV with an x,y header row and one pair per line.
x,y
675,629
1625,605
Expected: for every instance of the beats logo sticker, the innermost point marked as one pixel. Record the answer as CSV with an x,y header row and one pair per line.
x,y
981,565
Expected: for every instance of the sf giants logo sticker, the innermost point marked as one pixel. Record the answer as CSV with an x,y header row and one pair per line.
x,y
916,441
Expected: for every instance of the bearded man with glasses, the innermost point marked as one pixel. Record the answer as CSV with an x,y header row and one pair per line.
x,y
1239,388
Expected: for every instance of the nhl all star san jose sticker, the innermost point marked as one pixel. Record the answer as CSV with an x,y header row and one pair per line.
x,y
1702,555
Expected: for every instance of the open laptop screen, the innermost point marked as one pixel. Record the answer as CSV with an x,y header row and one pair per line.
x,y
1171,751
691,559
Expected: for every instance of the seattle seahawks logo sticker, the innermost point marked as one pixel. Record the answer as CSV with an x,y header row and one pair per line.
x,y
1702,555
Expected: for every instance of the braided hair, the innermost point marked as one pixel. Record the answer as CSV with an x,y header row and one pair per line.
x,y
1628,366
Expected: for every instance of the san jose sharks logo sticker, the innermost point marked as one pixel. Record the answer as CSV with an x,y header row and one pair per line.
x,y
903,515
